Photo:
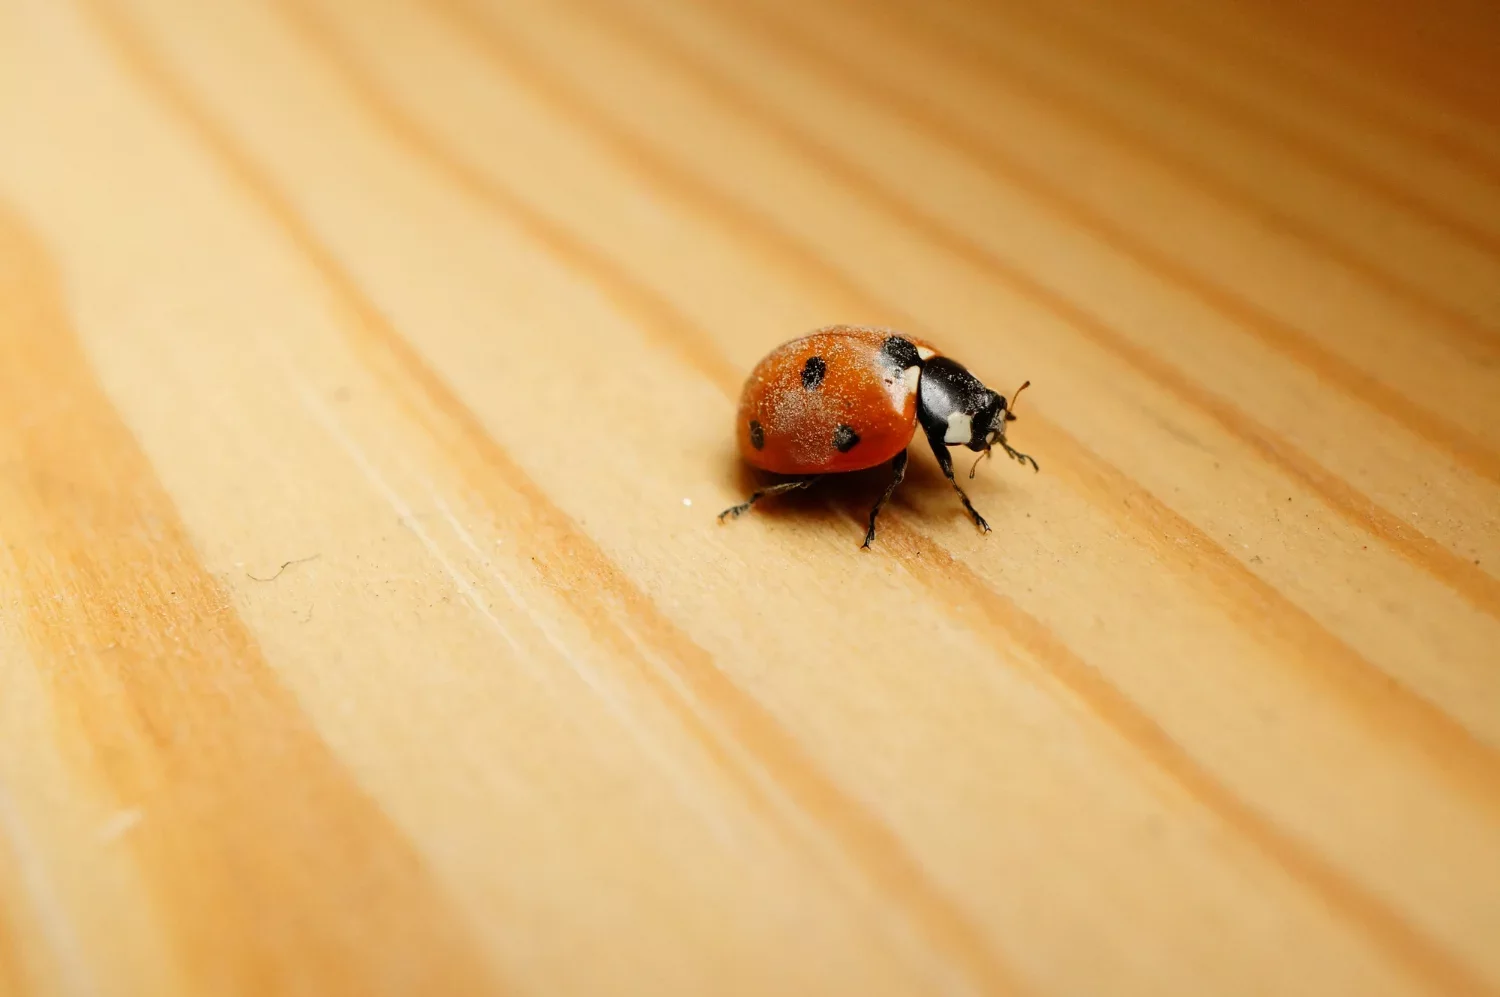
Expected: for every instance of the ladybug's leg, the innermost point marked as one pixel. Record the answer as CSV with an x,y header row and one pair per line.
x,y
1017,455
945,461
898,465
735,511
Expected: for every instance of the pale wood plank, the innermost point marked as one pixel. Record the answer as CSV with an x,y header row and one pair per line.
x,y
368,371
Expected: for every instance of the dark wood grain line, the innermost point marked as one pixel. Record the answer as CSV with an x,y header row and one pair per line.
x,y
568,559
1476,586
1184,88
259,845
1188,90
1389,707
1387,45
1187,27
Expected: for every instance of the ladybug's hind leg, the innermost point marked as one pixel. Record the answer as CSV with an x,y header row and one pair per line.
x,y
735,511
898,465
945,461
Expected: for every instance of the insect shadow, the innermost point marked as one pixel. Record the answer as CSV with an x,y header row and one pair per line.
x,y
834,499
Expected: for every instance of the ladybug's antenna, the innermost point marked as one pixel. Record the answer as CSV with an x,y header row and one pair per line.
x,y
1010,413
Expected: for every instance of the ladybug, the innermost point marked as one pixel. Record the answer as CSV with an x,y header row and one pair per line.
x,y
846,398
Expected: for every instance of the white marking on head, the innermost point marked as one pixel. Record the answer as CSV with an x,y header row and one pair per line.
x,y
925,353
960,428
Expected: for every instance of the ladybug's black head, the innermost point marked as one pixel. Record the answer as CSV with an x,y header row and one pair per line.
x,y
956,409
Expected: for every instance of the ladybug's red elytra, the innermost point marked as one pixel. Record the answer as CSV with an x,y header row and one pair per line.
x,y
846,398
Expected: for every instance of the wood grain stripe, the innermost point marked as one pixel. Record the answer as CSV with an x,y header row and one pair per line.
x,y
1186,28
1478,587
1385,43
593,586
255,839
1187,90
1435,733
968,50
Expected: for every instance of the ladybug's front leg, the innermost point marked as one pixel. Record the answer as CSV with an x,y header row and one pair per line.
x,y
1018,456
945,461
734,511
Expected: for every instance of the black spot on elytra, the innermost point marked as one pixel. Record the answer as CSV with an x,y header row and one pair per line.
x,y
844,439
757,435
813,372
901,353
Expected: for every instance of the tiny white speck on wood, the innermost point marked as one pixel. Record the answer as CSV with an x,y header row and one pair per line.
x,y
687,501
118,825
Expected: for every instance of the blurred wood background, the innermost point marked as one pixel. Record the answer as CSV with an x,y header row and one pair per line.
x,y
367,370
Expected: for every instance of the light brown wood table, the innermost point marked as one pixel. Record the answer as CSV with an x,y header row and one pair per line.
x,y
367,379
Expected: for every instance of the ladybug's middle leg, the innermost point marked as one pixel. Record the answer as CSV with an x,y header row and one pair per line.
x,y
898,465
734,511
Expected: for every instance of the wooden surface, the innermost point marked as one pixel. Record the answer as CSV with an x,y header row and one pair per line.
x,y
367,370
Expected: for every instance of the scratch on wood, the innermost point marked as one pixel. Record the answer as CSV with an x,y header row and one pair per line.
x,y
284,566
